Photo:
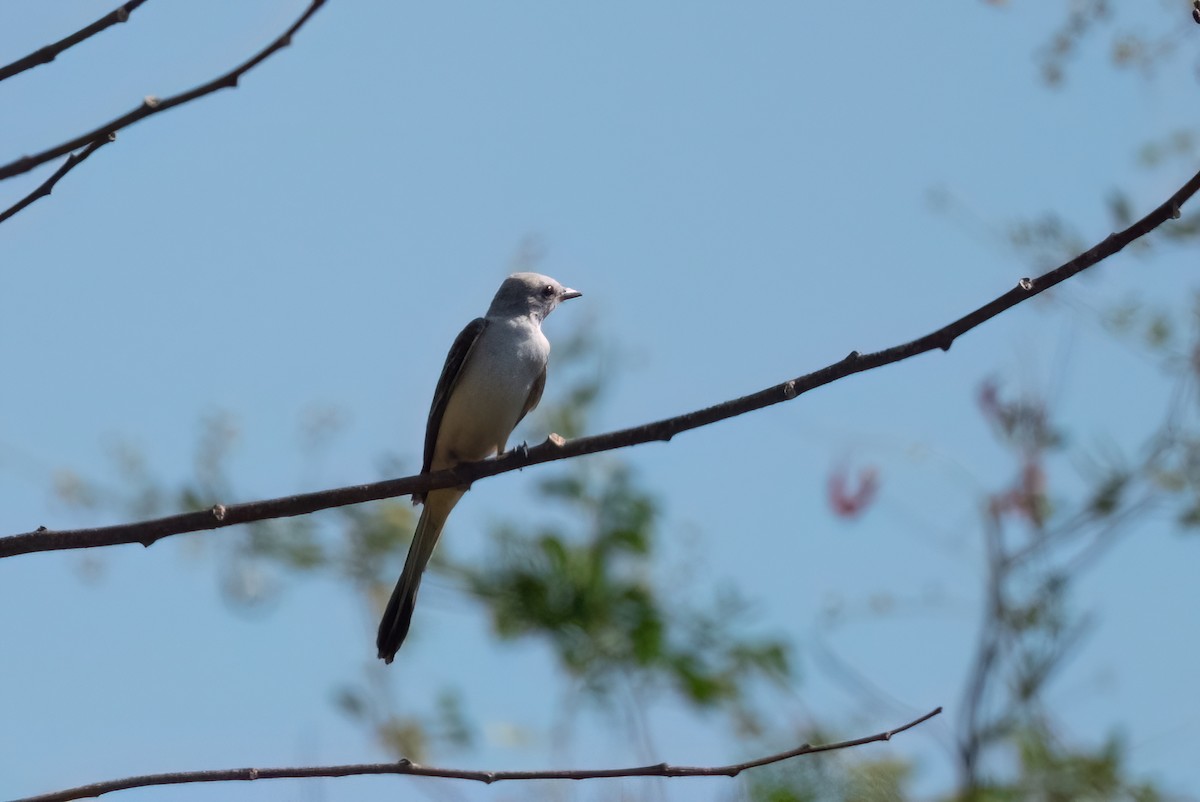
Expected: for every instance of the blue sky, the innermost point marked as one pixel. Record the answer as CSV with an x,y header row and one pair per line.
x,y
742,193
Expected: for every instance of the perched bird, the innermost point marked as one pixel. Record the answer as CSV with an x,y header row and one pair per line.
x,y
493,376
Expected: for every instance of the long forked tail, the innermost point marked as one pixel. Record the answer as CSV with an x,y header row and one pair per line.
x,y
398,615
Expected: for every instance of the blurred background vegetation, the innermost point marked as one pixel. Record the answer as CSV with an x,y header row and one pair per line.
x,y
583,575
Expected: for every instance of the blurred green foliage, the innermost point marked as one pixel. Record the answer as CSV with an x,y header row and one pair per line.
x,y
591,589
592,598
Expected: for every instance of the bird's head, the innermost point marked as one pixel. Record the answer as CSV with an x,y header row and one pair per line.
x,y
529,294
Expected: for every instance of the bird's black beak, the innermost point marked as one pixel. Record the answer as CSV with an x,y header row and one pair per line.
x,y
568,293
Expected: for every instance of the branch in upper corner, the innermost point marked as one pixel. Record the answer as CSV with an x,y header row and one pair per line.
x,y
47,186
412,769
44,55
221,515
153,105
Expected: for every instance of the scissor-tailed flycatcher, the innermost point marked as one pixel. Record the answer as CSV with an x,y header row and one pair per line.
x,y
494,375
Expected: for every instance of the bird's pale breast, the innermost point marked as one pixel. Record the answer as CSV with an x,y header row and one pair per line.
x,y
491,393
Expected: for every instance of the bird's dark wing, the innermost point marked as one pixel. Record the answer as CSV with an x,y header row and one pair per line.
x,y
535,395
455,361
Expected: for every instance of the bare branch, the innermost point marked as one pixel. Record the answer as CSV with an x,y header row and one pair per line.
x,y
152,105
47,186
50,52
413,769
555,448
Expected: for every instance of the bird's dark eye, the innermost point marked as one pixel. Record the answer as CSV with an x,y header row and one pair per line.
x,y
548,290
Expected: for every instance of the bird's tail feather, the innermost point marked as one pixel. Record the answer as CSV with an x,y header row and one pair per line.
x,y
398,615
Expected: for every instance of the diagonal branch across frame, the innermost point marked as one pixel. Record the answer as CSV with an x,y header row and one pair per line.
x,y
413,769
44,55
555,448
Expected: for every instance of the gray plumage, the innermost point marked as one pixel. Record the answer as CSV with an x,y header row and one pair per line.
x,y
493,376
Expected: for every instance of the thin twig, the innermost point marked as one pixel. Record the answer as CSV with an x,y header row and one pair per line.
x,y
152,105
555,448
987,652
45,55
47,186
410,768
